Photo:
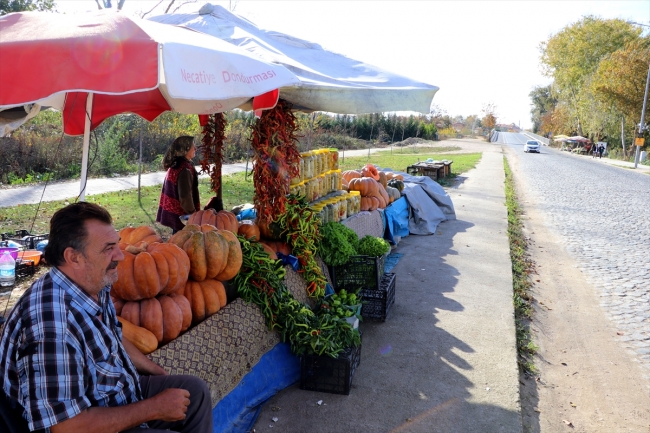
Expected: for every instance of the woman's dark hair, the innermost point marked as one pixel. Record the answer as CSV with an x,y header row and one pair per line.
x,y
179,148
68,229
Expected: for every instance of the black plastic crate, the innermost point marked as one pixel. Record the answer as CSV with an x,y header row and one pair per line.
x,y
375,304
25,268
327,374
24,238
360,272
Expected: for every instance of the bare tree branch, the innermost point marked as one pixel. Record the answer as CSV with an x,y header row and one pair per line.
x,y
170,6
147,13
182,4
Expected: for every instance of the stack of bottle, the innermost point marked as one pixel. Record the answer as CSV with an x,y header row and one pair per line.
x,y
337,206
321,183
319,174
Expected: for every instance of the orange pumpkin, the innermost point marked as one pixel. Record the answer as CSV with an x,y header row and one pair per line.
x,y
227,220
223,220
162,316
205,298
206,248
384,195
365,185
390,175
269,251
279,247
381,203
150,269
186,309
133,235
348,175
369,203
271,231
383,180
370,170
131,312
118,304
207,216
249,230
235,257
151,317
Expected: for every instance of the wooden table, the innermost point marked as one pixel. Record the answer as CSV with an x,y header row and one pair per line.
x,y
435,170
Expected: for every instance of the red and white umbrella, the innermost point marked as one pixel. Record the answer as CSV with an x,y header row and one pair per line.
x,y
94,65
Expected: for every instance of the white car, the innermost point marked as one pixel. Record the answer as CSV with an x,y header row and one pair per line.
x,y
532,146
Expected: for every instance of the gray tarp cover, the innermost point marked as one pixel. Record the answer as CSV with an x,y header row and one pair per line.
x,y
429,204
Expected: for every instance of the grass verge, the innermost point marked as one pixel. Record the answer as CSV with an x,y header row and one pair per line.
x,y
237,189
127,210
521,268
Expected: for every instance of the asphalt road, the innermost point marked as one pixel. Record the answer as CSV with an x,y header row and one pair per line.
x,y
601,212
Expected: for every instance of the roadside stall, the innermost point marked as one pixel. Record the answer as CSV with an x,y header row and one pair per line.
x,y
252,306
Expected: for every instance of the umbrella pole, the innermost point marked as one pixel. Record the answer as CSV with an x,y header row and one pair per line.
x,y
140,167
86,147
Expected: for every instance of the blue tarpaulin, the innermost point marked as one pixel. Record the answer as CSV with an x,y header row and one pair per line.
x,y
397,219
391,261
237,412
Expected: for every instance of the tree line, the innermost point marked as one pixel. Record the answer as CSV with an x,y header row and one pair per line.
x,y
599,69
39,150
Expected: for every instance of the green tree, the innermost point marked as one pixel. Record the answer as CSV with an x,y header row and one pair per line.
x,y
620,79
10,6
543,102
489,119
573,55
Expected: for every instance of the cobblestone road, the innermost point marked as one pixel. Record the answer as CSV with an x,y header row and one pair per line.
x,y
603,215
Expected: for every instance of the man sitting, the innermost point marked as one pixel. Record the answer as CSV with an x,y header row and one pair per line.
x,y
62,356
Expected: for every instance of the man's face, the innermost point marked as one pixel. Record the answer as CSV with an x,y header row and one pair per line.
x,y
100,256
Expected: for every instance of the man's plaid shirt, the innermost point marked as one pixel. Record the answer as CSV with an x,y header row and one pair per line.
x,y
58,357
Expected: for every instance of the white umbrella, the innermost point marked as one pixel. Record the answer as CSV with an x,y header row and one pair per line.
x,y
92,66
328,81
580,139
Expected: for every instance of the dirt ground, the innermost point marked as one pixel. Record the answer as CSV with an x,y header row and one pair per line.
x,y
587,382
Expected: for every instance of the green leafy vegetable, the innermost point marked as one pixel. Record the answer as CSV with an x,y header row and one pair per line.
x,y
261,281
373,246
338,244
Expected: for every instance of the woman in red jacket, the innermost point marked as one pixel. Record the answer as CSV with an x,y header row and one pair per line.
x,y
180,191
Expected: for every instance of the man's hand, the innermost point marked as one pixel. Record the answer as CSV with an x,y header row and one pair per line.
x,y
170,405
173,403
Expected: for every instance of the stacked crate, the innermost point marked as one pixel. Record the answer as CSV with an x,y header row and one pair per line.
x,y
377,288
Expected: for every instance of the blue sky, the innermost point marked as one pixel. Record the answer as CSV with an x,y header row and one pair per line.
x,y
477,52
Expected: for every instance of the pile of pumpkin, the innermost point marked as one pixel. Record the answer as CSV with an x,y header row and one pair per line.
x,y
268,235
163,288
378,188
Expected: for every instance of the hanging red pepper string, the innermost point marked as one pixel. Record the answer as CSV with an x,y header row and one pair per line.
x,y
276,160
212,148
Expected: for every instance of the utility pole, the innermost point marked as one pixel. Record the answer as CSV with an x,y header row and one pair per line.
x,y
642,123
